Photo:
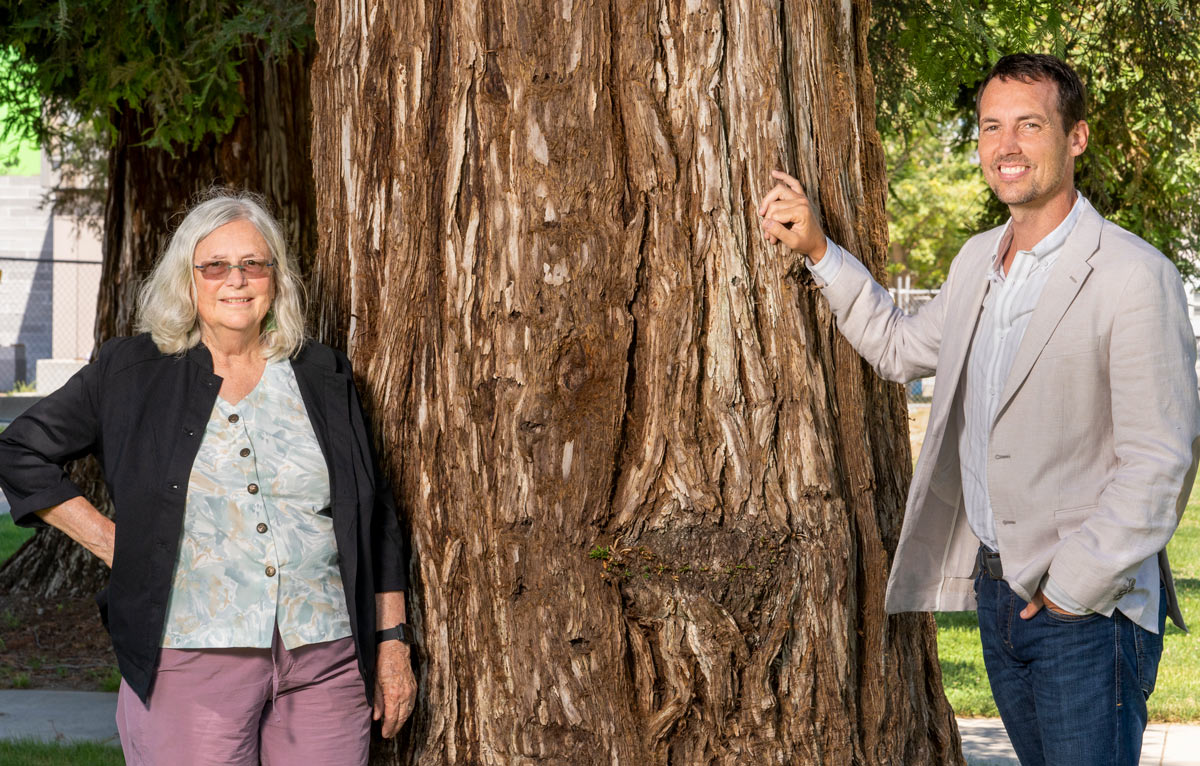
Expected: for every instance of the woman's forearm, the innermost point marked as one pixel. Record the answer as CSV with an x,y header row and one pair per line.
x,y
389,609
80,521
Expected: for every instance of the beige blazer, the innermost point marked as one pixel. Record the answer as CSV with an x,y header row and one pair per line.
x,y
1095,443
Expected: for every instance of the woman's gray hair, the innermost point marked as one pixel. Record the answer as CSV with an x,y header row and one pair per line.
x,y
167,299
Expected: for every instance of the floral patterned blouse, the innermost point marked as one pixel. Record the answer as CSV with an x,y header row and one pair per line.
x,y
258,547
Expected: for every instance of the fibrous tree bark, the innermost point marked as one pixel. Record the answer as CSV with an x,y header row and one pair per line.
x,y
652,494
267,151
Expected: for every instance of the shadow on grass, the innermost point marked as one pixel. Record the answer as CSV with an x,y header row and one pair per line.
x,y
1188,585
1186,589
961,620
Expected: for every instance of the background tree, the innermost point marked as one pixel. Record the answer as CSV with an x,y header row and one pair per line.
x,y
1140,60
175,102
936,199
652,494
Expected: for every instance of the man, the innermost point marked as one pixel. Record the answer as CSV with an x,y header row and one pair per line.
x,y
1063,435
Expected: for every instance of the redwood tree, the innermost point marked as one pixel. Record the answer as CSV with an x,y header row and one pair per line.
x,y
652,494
254,134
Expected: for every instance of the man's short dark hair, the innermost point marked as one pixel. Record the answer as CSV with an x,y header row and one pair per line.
x,y
1031,67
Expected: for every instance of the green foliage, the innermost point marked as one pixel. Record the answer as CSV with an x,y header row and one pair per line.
x,y
1140,60
935,196
108,680
32,753
87,60
11,538
18,155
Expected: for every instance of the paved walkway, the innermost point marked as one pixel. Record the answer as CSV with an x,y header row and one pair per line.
x,y
58,716
65,716
1165,744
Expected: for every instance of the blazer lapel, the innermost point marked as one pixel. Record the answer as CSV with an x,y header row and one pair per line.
x,y
962,317
1066,280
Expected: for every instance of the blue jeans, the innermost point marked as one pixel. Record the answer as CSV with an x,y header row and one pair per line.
x,y
1071,690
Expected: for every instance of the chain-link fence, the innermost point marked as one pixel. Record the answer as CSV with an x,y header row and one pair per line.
x,y
49,279
47,313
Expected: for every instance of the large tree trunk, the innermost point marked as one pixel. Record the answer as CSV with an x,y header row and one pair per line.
x,y
267,152
652,495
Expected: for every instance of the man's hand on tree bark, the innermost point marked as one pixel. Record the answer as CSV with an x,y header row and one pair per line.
x,y
788,217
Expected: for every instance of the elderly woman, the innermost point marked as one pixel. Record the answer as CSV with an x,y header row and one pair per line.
x,y
258,573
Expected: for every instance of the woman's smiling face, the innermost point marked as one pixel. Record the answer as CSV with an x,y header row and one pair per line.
x,y
236,304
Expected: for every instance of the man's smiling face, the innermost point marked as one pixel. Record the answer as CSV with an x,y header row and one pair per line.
x,y
1028,158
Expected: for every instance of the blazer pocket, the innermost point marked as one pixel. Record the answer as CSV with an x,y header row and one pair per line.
x,y
1069,520
1069,345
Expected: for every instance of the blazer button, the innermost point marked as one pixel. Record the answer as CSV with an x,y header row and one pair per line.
x,y
262,528
174,486
245,452
234,418
252,489
270,571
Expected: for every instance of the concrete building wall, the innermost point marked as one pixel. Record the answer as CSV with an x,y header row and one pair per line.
x,y
26,273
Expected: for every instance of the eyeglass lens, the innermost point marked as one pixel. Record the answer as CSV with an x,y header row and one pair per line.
x,y
220,269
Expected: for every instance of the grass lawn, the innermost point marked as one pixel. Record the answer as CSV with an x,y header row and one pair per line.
x,y
1177,693
28,753
11,537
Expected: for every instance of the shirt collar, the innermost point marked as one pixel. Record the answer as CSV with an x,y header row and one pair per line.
x,y
1049,243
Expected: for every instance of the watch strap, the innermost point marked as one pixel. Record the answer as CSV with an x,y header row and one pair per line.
x,y
402,632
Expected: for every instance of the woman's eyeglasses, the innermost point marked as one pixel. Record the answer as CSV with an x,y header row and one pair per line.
x,y
251,269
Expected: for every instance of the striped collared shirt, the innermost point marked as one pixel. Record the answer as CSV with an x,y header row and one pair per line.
x,y
1007,309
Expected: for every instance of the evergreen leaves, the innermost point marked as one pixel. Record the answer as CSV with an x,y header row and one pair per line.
x,y
87,60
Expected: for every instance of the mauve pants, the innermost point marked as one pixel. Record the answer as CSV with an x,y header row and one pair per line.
x,y
240,706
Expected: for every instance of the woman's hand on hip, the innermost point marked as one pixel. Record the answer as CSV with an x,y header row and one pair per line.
x,y
80,520
395,687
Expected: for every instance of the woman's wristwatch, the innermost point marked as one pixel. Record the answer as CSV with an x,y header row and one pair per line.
x,y
402,632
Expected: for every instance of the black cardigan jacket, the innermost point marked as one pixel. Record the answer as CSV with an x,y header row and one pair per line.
x,y
143,413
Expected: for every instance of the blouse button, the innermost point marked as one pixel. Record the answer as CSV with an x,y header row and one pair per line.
x,y
252,489
245,452
262,528
270,571
233,418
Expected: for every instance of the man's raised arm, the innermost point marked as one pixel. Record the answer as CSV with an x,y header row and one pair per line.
x,y
899,347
